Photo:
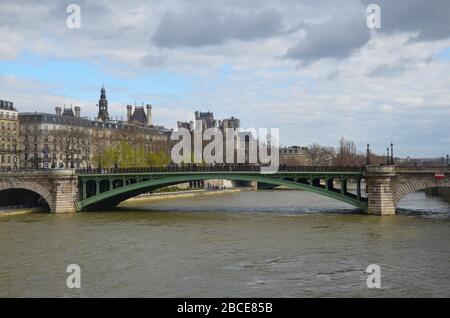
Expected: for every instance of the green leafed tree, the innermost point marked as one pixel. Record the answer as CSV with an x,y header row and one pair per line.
x,y
124,155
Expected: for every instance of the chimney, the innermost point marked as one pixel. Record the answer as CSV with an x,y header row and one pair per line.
x,y
77,110
129,109
58,111
149,115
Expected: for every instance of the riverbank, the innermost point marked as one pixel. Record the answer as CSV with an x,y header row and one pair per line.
x,y
183,194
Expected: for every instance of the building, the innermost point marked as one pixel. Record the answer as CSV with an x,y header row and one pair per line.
x,y
67,140
206,119
139,117
232,122
295,156
189,125
9,132
103,106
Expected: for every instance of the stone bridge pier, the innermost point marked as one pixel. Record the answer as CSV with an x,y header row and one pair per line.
x,y
380,181
388,185
59,188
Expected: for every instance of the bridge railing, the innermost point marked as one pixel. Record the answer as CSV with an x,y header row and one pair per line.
x,y
422,168
218,168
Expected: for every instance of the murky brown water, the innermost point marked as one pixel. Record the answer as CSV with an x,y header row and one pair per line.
x,y
257,244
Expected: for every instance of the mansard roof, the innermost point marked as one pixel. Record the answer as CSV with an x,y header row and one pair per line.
x,y
68,112
139,116
44,118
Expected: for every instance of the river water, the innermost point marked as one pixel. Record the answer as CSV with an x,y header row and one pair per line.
x,y
246,244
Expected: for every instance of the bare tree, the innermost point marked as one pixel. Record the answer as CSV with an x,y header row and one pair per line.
x,y
321,155
347,154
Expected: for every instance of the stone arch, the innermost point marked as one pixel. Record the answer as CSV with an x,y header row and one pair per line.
x,y
31,186
416,184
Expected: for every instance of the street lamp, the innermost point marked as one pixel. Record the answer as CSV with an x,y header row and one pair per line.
x,y
388,161
392,153
100,161
447,160
368,156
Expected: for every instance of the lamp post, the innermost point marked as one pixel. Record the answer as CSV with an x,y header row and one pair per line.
x,y
447,160
100,161
388,161
392,153
368,156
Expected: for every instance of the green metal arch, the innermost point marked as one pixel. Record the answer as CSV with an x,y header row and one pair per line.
x,y
120,194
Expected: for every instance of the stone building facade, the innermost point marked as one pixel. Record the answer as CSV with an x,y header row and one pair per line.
x,y
67,140
295,156
9,131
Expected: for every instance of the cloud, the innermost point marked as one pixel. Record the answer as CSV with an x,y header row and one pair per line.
x,y
346,31
398,67
201,26
222,56
337,37
428,19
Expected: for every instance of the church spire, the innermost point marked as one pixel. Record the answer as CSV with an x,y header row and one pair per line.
x,y
103,106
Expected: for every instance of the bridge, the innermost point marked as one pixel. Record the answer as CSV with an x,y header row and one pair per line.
x,y
372,189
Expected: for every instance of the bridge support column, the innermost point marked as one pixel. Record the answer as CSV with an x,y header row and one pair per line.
x,y
380,184
330,184
358,189
64,191
84,189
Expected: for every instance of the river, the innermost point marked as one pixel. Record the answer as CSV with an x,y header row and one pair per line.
x,y
245,244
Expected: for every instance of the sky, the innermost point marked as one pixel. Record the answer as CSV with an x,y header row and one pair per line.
x,y
313,69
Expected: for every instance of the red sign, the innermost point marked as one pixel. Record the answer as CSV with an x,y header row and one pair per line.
x,y
439,175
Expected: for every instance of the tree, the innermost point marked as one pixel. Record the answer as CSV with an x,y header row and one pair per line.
x,y
347,154
124,155
321,155
73,146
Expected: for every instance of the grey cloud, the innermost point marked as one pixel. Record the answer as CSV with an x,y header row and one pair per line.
x,y
346,31
431,19
207,26
337,37
397,68
153,61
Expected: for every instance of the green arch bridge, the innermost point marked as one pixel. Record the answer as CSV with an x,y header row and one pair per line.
x,y
99,188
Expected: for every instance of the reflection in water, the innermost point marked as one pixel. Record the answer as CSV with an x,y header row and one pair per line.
x,y
252,243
